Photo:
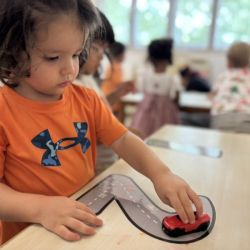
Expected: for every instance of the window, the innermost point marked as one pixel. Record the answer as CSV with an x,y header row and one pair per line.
x,y
199,24
232,23
192,23
118,13
151,21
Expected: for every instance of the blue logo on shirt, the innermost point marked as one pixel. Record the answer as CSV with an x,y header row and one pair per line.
x,y
44,141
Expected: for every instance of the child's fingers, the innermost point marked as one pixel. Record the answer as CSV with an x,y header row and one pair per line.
x,y
79,226
185,201
177,205
86,217
196,200
84,207
66,234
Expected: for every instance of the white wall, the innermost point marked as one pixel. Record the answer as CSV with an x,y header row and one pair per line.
x,y
135,58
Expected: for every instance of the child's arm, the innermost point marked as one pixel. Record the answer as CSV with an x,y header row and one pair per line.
x,y
56,213
170,188
121,90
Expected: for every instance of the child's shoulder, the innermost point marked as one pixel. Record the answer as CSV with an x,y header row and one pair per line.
x,y
83,93
81,90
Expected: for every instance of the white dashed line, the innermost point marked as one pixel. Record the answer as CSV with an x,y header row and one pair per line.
x,y
138,206
95,199
131,197
105,191
155,221
148,216
121,184
100,195
90,203
142,211
127,192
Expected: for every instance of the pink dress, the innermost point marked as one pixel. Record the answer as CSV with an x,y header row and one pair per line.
x,y
154,112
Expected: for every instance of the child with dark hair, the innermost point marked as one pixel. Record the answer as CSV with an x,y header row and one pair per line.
x,y
114,75
105,155
161,90
49,126
231,101
192,81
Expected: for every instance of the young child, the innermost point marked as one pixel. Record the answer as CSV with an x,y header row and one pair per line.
x,y
103,37
193,81
114,75
159,105
231,102
49,127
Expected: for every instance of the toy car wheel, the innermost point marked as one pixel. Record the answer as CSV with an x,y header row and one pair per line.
x,y
177,232
203,226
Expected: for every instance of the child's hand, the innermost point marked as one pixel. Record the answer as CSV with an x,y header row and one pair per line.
x,y
124,88
175,192
59,214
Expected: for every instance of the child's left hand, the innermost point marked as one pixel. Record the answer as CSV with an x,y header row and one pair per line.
x,y
175,192
124,88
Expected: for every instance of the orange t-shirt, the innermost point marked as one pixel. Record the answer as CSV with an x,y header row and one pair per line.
x,y
114,78
50,148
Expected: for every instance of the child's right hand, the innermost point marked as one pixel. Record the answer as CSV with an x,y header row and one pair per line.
x,y
59,214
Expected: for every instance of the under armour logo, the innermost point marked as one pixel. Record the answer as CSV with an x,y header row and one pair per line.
x,y
44,141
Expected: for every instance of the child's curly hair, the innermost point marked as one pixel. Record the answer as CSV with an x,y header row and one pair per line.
x,y
20,20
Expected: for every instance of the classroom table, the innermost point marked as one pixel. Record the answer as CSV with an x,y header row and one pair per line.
x,y
224,180
188,102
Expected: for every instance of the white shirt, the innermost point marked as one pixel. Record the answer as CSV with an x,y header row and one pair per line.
x,y
159,83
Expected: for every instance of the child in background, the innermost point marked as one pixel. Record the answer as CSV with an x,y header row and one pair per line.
x,y
231,102
160,104
114,75
193,81
103,37
49,126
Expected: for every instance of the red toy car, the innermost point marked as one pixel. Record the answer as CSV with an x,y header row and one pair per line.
x,y
174,227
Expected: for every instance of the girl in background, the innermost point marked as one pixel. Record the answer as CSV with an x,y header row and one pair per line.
x,y
160,104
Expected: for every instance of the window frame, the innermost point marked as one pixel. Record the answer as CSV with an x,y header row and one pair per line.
x,y
171,27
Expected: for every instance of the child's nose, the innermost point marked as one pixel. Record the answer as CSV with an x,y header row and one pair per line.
x,y
68,68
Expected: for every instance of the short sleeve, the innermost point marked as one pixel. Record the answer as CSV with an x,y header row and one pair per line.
x,y
108,128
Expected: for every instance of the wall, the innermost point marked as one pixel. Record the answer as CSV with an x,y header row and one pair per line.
x,y
216,60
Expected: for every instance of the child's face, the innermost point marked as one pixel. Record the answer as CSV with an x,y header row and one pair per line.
x,y
95,57
54,61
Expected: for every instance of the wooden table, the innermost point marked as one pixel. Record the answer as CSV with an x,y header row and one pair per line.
x,y
188,102
224,180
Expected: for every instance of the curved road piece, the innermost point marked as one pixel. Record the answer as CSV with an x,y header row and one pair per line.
x,y
141,211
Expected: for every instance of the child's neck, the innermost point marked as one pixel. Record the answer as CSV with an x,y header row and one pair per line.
x,y
160,69
160,66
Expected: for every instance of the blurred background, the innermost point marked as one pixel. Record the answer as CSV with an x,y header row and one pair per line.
x,y
202,29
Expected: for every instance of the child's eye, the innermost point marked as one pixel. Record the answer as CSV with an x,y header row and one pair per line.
x,y
51,59
76,56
